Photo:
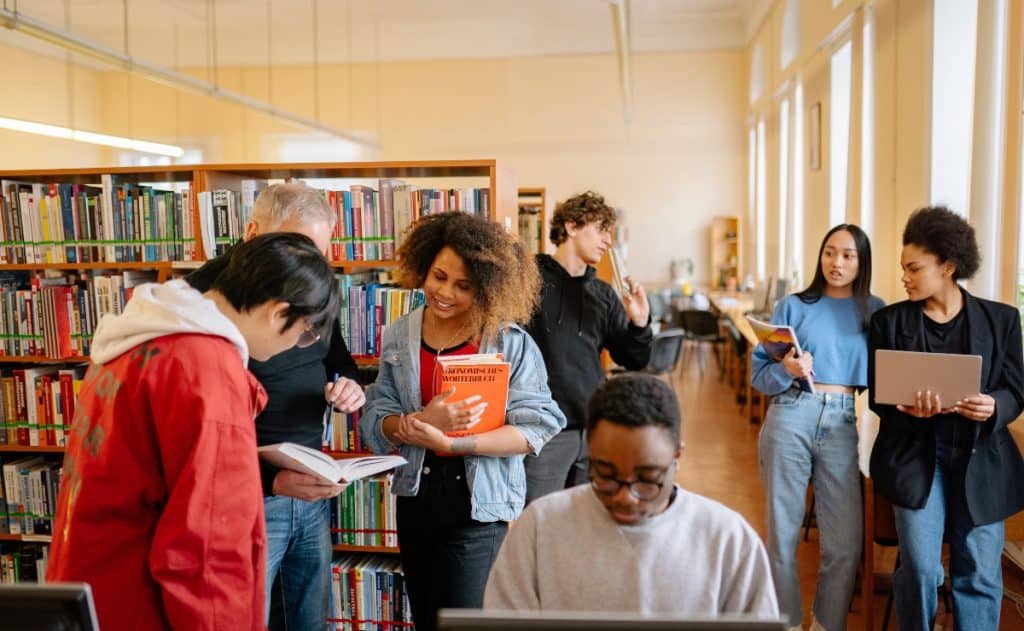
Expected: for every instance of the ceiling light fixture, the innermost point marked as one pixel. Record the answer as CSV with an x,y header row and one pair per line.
x,y
66,133
40,30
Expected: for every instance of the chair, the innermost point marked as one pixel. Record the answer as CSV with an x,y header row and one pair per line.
x,y
666,348
702,327
659,306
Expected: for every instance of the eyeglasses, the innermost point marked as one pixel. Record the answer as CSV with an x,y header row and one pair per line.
x,y
644,490
308,337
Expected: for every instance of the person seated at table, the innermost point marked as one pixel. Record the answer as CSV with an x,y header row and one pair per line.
x,y
632,540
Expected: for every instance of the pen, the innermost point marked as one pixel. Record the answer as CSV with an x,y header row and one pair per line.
x,y
329,416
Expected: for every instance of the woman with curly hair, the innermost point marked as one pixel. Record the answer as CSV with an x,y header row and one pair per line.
x,y
950,468
457,495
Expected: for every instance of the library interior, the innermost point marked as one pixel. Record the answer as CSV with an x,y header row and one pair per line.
x,y
549,314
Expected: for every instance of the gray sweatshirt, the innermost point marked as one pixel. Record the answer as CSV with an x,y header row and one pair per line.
x,y
566,553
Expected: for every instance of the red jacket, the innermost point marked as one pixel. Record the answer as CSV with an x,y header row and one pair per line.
x,y
161,508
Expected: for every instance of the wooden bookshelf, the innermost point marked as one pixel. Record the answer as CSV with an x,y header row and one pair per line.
x,y
725,251
37,359
503,208
533,212
22,538
341,547
46,449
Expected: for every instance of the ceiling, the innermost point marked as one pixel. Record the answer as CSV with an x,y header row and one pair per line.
x,y
179,33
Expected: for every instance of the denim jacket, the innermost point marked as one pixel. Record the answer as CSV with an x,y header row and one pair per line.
x,y
497,484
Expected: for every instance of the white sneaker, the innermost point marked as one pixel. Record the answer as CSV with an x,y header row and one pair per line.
x,y
815,625
798,627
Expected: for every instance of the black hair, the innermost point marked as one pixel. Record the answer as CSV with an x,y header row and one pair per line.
x,y
282,266
635,400
861,284
947,235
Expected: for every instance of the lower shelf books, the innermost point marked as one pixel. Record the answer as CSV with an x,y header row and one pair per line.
x,y
29,489
368,594
365,514
23,562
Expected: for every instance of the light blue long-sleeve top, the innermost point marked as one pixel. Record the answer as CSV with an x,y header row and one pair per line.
x,y
830,330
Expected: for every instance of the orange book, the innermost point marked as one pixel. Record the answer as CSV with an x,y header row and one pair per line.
x,y
481,374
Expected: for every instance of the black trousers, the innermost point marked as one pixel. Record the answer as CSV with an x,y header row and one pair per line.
x,y
446,555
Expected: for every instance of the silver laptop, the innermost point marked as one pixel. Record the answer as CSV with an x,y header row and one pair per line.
x,y
899,375
479,620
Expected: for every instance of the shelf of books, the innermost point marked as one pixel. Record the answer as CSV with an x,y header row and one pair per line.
x,y
533,213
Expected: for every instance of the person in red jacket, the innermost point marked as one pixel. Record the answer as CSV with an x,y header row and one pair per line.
x,y
161,506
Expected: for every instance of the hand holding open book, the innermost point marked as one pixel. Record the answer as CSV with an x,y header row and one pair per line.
x,y
778,340
325,468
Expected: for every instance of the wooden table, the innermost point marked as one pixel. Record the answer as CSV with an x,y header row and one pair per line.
x,y
734,305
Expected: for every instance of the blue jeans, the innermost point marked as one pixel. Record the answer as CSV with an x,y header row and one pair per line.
x,y
299,545
813,438
975,554
561,464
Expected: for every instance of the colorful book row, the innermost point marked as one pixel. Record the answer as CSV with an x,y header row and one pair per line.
x,y
45,222
364,514
369,594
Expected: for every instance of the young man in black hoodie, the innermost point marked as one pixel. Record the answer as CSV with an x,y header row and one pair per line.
x,y
579,316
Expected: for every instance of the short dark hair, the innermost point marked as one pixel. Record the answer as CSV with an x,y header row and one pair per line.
x,y
580,210
635,400
940,231
282,266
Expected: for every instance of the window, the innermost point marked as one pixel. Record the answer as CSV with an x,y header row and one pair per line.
x,y
953,61
790,39
797,211
761,201
784,167
756,73
867,148
839,132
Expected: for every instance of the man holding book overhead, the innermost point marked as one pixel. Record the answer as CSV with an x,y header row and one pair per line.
x,y
160,507
580,315
297,383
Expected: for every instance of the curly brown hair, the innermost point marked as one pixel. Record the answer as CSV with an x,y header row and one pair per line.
x,y
580,210
505,281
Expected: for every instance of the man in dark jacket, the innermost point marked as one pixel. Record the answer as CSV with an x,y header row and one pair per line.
x,y
299,382
579,316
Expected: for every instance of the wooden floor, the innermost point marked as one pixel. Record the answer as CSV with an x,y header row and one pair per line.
x,y
720,462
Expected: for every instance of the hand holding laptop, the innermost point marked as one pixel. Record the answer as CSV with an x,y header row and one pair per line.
x,y
978,408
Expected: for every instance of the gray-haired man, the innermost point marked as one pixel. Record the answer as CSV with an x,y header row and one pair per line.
x,y
297,384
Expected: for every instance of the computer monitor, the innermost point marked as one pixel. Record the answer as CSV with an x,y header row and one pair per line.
x,y
479,620
47,607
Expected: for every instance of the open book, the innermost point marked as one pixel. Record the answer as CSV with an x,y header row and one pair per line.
x,y
480,374
329,471
776,340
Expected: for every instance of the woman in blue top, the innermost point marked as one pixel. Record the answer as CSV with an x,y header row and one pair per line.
x,y
457,495
812,437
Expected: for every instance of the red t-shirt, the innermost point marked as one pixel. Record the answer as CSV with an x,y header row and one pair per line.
x,y
429,386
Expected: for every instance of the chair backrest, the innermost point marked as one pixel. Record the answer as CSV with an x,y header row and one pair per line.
x,y
665,351
659,306
699,323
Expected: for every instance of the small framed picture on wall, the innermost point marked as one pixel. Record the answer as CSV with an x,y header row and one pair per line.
x,y
814,136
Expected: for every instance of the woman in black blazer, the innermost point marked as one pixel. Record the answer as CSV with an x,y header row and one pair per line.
x,y
950,468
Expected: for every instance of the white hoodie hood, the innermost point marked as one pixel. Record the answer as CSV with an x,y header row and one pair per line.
x,y
157,310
